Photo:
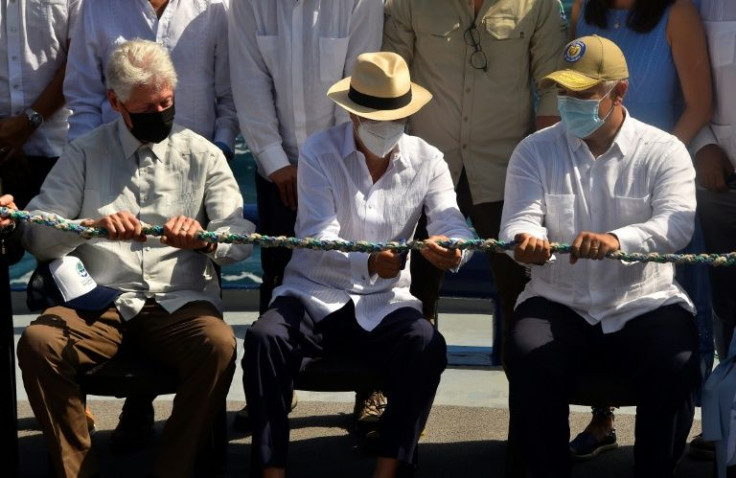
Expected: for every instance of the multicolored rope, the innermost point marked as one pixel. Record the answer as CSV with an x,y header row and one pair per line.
x,y
485,245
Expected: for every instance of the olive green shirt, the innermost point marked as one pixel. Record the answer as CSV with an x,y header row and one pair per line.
x,y
477,117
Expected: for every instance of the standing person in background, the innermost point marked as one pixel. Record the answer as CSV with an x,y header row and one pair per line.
x,y
715,158
285,55
33,117
482,61
664,44
195,35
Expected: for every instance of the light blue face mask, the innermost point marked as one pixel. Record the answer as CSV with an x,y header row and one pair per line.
x,y
579,116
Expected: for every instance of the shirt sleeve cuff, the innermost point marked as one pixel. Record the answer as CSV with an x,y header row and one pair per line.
x,y
226,137
272,159
704,137
630,239
359,266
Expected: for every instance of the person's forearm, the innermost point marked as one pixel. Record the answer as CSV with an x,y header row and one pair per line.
x,y
691,122
51,98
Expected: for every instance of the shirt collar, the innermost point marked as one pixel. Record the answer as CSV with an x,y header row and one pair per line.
x,y
348,148
131,144
625,136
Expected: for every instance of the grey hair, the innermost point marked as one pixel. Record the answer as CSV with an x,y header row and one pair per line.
x,y
608,85
139,62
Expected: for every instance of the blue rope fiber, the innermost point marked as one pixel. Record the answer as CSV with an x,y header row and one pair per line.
x,y
486,245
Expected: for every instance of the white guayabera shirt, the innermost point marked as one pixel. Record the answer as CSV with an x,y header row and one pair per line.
x,y
338,200
33,45
285,54
642,190
719,19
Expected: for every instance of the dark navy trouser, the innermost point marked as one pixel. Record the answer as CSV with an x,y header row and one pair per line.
x,y
550,346
409,352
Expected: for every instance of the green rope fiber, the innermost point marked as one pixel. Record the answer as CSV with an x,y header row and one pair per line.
x,y
485,245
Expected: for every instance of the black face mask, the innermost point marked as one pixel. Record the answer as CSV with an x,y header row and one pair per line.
x,y
152,127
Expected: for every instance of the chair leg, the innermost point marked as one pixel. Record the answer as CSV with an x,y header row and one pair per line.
x,y
496,358
515,466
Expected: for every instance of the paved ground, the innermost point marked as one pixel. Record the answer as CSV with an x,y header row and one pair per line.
x,y
465,436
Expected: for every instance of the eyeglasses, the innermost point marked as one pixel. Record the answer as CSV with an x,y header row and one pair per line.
x,y
478,59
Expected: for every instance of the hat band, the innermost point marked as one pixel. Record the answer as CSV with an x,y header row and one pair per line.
x,y
377,103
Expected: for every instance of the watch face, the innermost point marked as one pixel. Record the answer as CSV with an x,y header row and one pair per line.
x,y
34,118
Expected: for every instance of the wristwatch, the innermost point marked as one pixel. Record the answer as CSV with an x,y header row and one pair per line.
x,y
34,117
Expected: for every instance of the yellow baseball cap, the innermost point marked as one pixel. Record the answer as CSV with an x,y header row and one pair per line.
x,y
588,61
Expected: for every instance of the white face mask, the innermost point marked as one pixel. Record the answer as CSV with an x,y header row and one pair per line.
x,y
380,137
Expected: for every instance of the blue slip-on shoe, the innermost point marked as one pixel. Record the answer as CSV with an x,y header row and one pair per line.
x,y
585,446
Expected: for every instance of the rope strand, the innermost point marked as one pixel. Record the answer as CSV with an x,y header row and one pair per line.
x,y
485,245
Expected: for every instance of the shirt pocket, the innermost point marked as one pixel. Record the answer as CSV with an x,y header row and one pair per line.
x,y
721,42
332,54
560,217
631,210
503,27
45,15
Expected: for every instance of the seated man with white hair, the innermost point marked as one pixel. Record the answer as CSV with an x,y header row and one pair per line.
x,y
363,180
160,297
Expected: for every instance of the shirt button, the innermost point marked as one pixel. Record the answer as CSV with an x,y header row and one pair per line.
x,y
147,248
467,90
465,119
13,29
15,87
465,146
15,58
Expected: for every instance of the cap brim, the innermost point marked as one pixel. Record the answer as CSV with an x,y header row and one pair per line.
x,y
572,80
339,94
97,299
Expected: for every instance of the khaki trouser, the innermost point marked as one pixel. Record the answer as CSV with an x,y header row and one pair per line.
x,y
62,342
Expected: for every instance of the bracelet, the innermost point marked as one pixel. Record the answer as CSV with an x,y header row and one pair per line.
x,y
208,249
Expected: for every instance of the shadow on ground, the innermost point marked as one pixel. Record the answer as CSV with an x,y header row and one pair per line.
x,y
458,442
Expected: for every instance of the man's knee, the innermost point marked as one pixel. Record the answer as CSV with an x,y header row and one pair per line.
x,y
273,325
427,341
220,338
37,340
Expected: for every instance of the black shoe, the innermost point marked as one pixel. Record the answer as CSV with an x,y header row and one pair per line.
x,y
702,449
134,432
585,446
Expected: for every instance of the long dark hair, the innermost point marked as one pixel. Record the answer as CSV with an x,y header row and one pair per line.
x,y
642,18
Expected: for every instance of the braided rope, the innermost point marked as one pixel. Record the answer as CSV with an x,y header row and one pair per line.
x,y
485,245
